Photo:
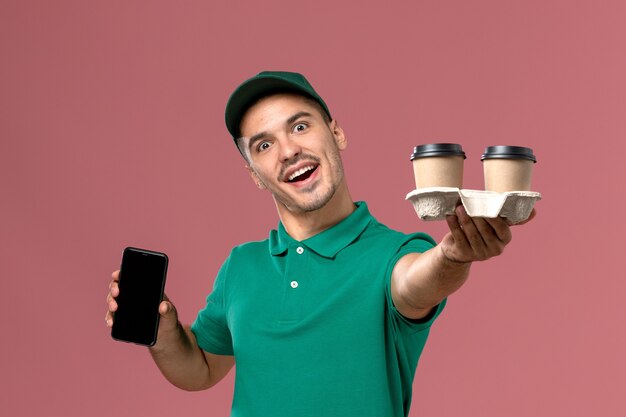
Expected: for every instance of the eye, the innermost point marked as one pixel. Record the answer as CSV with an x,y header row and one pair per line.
x,y
300,127
262,146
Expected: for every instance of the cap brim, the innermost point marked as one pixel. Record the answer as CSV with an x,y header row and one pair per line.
x,y
250,92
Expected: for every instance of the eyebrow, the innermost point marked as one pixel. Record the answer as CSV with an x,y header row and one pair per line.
x,y
290,120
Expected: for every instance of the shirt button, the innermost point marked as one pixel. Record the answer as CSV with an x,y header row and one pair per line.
x,y
294,284
300,250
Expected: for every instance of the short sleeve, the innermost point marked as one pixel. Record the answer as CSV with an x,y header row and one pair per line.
x,y
417,242
210,326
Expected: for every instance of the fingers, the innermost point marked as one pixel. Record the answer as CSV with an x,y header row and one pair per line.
x,y
111,309
109,319
458,245
114,291
473,229
476,238
114,288
501,229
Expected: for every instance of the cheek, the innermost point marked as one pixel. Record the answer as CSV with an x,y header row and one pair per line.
x,y
261,172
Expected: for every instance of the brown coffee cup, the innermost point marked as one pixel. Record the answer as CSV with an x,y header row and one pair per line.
x,y
438,165
508,168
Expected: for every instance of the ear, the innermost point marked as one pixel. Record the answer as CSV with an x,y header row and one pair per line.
x,y
255,178
340,137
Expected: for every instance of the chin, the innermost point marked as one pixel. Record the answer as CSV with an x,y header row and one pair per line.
x,y
310,205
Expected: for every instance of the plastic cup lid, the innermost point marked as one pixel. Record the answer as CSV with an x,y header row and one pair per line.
x,y
438,149
508,152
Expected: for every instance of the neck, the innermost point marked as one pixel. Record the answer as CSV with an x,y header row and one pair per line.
x,y
303,225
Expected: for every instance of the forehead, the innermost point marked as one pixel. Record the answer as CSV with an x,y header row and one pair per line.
x,y
275,109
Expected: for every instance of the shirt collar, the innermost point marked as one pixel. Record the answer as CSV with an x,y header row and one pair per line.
x,y
330,241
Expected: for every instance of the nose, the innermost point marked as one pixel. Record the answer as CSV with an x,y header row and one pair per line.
x,y
289,148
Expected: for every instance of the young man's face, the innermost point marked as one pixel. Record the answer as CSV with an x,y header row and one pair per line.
x,y
293,151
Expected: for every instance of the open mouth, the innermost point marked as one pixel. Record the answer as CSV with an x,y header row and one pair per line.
x,y
302,174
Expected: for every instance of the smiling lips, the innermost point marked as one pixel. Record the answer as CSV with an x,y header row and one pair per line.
x,y
302,173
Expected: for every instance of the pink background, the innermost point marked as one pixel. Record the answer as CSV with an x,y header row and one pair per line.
x,y
111,134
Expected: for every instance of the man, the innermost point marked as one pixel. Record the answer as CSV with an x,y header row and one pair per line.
x,y
329,315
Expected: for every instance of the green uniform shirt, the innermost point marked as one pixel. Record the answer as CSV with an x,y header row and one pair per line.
x,y
312,325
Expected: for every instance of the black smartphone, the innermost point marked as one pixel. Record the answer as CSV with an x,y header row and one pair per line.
x,y
141,283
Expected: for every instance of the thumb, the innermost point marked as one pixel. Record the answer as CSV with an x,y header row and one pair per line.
x,y
169,316
166,308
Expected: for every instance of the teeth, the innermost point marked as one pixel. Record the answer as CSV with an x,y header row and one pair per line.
x,y
300,172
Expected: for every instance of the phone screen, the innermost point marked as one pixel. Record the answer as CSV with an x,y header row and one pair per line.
x,y
141,284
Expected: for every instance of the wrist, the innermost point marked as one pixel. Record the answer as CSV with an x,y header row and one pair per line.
x,y
451,260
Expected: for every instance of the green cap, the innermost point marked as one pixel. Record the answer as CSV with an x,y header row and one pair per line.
x,y
261,85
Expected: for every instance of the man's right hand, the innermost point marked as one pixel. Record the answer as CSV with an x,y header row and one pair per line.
x,y
169,316
176,352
